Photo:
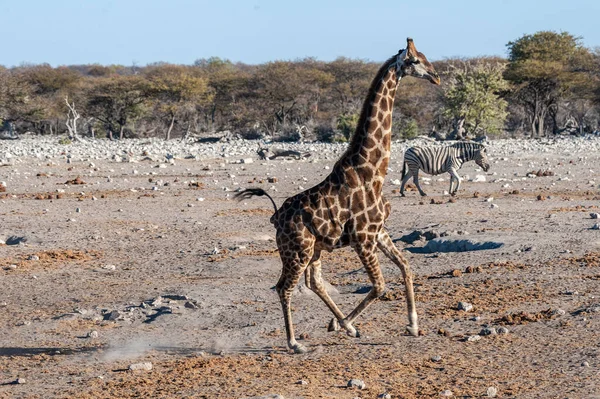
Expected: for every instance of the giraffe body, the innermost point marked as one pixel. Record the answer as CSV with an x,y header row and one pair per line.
x,y
348,208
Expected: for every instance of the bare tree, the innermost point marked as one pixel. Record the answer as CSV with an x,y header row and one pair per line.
x,y
72,117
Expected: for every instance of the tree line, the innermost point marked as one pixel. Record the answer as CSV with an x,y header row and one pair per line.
x,y
549,84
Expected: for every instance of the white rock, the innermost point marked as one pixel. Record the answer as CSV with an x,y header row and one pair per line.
x,y
479,178
492,392
92,334
145,366
356,383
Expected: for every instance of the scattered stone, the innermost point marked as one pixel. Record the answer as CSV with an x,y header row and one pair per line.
x,y
466,306
33,258
384,396
558,312
436,358
473,338
246,160
595,215
190,305
492,392
596,226
75,181
20,381
502,330
585,363
456,273
145,366
304,336
494,206
92,334
479,179
473,269
446,394
356,383
302,382
113,315
272,180
488,331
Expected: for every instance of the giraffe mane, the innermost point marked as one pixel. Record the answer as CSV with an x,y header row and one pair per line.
x,y
364,113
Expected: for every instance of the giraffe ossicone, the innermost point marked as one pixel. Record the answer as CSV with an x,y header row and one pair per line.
x,y
348,208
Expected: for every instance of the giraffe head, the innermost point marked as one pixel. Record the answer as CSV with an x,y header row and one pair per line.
x,y
410,62
481,159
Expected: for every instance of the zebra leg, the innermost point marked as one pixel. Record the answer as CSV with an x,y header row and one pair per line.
x,y
455,177
416,181
404,180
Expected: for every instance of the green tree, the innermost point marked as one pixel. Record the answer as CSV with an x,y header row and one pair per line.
x,y
229,84
116,100
542,67
289,92
176,91
471,96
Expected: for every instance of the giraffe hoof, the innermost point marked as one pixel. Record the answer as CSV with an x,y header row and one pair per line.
x,y
414,331
333,326
299,348
353,332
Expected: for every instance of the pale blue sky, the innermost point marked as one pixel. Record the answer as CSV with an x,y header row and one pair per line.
x,y
64,32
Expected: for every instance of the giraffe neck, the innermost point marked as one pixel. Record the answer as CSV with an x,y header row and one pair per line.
x,y
370,145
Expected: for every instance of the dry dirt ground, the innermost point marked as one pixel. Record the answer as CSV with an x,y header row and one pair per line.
x,y
182,277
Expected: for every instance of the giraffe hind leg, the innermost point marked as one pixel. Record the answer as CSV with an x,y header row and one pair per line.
x,y
292,270
314,281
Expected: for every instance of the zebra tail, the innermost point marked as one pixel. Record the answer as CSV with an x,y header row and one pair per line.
x,y
251,192
403,170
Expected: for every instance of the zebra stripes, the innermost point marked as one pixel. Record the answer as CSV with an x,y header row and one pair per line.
x,y
437,160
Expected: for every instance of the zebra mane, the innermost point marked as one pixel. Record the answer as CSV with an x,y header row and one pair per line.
x,y
471,144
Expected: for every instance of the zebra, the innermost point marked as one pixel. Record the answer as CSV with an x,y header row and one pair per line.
x,y
437,160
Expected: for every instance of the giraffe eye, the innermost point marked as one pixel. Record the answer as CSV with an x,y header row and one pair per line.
x,y
415,61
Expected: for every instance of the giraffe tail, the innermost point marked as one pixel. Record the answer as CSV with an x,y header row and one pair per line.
x,y
251,192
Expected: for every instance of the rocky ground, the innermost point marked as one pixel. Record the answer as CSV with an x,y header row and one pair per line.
x,y
127,271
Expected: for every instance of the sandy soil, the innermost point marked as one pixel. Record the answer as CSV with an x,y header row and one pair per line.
x,y
182,276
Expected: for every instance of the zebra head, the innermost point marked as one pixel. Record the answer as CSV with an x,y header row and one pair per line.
x,y
481,159
410,62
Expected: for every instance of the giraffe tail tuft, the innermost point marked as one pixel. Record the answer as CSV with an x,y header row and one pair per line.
x,y
251,192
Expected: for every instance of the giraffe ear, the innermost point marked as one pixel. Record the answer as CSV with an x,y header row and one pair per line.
x,y
411,50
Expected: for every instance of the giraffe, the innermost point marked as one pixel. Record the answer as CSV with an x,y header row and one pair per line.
x,y
348,208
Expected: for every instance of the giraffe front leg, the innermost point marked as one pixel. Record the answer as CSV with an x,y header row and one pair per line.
x,y
369,260
386,245
313,273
